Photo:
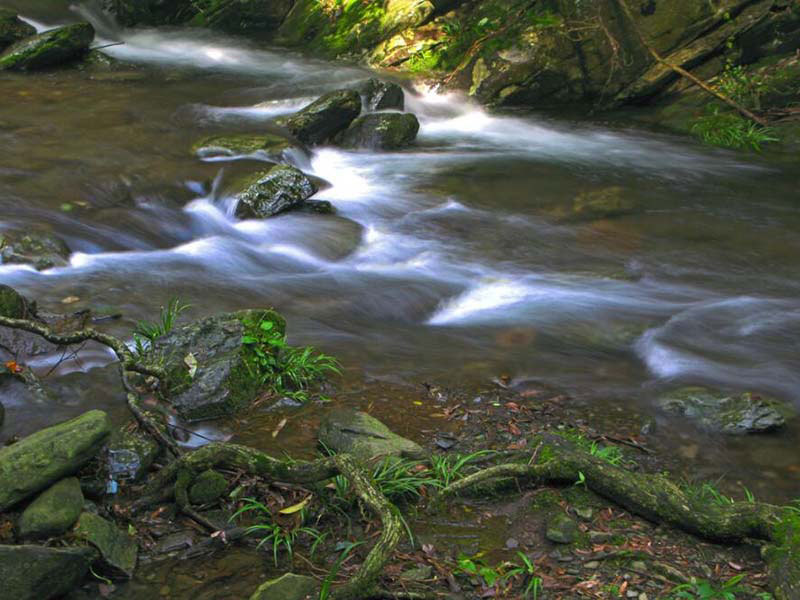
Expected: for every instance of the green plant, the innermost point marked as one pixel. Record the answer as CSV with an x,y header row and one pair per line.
x,y
147,332
611,454
581,481
449,468
743,87
705,590
325,590
474,567
730,130
399,479
528,571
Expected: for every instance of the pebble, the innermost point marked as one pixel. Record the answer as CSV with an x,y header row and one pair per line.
x,y
632,594
592,564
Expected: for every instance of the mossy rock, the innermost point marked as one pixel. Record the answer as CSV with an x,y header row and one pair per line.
x,y
13,29
54,511
48,49
323,119
272,191
381,131
38,573
365,437
38,248
605,203
241,144
118,550
12,303
382,95
39,460
208,487
287,587
561,529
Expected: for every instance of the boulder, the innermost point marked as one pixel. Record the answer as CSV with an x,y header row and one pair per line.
x,y
48,49
13,29
39,248
141,444
272,191
287,587
322,207
237,145
561,529
323,119
12,303
39,573
366,438
382,95
118,550
222,383
714,410
381,131
54,511
207,487
39,460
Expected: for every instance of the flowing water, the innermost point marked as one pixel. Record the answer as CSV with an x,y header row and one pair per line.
x,y
444,262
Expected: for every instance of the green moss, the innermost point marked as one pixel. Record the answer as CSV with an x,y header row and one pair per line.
x,y
207,487
12,304
232,145
545,500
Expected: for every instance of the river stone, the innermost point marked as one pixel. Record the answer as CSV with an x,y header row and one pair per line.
x,y
324,118
287,587
321,207
273,191
236,145
54,511
39,460
366,438
218,388
714,410
604,203
41,249
118,550
48,49
382,95
381,131
13,29
142,444
207,487
39,573
561,529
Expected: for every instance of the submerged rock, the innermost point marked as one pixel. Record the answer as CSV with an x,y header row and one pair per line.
x,y
118,550
208,487
13,29
38,573
366,438
384,131
48,49
273,191
287,587
54,511
603,203
236,145
322,207
41,459
742,413
324,118
382,95
41,249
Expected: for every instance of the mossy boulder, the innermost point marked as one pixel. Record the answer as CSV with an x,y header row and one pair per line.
x,y
221,383
13,29
714,410
208,487
365,437
381,131
48,49
39,460
143,445
287,587
118,550
323,119
39,573
54,511
561,529
12,303
272,191
38,248
382,95
271,145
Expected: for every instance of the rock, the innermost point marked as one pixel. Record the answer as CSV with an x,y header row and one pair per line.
x,y
13,29
41,249
273,191
366,438
174,542
208,487
382,95
48,49
561,529
237,145
12,303
324,118
39,573
604,203
54,511
118,550
39,460
381,131
321,207
422,573
138,442
221,384
287,587
584,512
714,410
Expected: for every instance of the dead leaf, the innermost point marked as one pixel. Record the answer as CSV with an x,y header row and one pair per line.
x,y
280,426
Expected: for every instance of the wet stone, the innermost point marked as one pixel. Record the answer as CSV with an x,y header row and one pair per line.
x,y
366,438
54,511
13,29
382,95
273,191
117,549
561,529
40,249
48,49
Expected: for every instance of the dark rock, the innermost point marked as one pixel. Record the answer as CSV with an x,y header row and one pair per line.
x,y
322,207
118,550
13,29
141,444
39,460
41,249
175,542
208,487
324,118
561,529
48,49
236,145
382,95
12,303
726,413
366,438
273,191
54,511
381,131
38,573
287,587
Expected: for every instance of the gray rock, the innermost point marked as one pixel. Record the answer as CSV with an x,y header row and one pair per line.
x,y
39,460
271,192
118,550
287,587
48,49
142,444
41,249
324,118
381,131
13,29
366,438
38,573
174,542
54,511
382,95
714,410
561,529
